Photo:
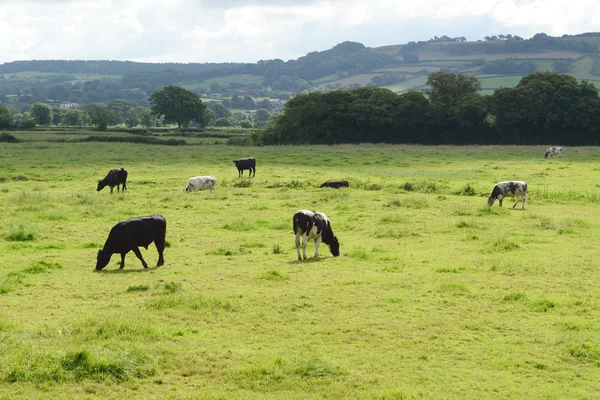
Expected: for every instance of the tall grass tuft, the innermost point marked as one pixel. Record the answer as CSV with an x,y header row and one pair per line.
x,y
41,267
21,234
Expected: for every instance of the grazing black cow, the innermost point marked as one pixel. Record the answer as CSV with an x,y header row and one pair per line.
x,y
246,163
314,225
517,189
335,184
129,235
115,177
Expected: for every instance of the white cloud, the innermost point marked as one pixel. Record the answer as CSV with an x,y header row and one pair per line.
x,y
250,30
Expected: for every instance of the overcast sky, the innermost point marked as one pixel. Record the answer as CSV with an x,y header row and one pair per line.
x,y
252,30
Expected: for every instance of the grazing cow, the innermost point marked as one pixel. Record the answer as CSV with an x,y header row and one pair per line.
x,y
516,189
314,225
335,184
200,183
115,177
246,163
129,235
552,151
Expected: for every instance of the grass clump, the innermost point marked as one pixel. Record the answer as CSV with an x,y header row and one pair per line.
x,y
273,275
243,183
542,305
138,288
514,296
277,249
466,190
411,202
172,287
41,267
21,234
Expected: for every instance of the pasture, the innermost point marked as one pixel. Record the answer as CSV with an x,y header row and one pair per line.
x,y
434,295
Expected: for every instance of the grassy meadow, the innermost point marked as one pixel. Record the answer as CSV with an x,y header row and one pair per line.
x,y
434,295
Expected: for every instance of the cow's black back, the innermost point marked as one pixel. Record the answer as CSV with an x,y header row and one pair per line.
x,y
246,163
335,184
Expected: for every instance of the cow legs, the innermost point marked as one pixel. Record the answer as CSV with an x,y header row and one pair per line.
x,y
317,243
160,246
122,261
304,243
136,250
500,201
253,172
298,246
111,189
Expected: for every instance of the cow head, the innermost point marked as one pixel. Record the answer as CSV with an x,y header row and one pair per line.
x,y
335,247
101,185
102,260
547,154
491,200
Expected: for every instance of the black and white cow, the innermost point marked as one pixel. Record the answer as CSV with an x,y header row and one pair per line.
x,y
115,177
246,163
552,151
128,235
335,184
516,189
200,183
314,225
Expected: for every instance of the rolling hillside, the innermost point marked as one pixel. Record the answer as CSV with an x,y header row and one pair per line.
x,y
402,67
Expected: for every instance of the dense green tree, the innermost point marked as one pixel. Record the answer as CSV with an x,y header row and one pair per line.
x,y
261,115
120,108
100,116
6,118
450,88
57,115
223,122
145,116
178,105
72,117
246,124
132,118
220,110
41,113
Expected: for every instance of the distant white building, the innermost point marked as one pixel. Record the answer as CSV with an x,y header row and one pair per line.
x,y
68,104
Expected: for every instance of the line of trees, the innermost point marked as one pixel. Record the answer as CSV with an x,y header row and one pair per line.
x,y
544,108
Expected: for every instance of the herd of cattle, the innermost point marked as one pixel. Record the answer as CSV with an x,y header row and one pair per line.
x,y
130,234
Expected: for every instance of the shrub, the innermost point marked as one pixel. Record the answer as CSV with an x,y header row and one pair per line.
x,y
8,138
20,234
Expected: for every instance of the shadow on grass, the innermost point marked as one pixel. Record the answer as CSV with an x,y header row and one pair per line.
x,y
127,271
307,261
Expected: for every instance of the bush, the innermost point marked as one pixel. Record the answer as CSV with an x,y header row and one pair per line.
x,y
8,138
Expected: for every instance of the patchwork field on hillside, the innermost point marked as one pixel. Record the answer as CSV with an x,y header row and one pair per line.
x,y
434,295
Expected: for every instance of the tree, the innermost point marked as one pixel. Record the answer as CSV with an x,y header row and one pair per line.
x,y
245,124
220,110
100,116
178,105
72,117
5,117
120,107
223,122
261,115
132,118
450,88
41,113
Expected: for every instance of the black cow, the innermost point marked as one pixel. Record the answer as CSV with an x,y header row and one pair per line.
x,y
314,225
129,235
115,177
335,184
246,163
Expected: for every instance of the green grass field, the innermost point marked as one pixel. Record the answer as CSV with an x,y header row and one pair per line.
x,y
434,295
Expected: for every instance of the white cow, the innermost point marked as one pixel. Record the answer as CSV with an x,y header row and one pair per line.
x,y
516,189
553,151
200,183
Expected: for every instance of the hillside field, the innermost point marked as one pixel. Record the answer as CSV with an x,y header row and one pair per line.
x,y
435,295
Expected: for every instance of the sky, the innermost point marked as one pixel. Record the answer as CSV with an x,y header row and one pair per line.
x,y
252,30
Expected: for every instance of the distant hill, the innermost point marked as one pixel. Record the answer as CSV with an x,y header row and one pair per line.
x,y
498,61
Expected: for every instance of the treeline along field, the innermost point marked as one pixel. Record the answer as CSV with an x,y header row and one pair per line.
x,y
434,295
